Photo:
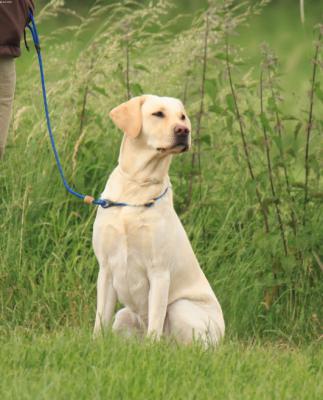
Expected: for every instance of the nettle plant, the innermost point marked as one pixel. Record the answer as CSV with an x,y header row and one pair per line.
x,y
281,153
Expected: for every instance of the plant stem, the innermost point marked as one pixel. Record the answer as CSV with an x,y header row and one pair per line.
x,y
301,8
23,215
127,69
185,89
243,138
199,117
85,96
270,171
83,110
82,115
310,124
282,153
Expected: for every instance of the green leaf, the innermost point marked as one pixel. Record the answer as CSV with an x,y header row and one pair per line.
x,y
289,118
229,121
272,104
251,185
235,154
136,89
288,264
205,139
141,67
277,140
230,102
222,56
211,88
314,164
119,75
99,90
297,129
264,121
216,109
318,91
249,113
268,201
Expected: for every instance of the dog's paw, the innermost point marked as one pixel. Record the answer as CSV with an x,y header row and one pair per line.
x,y
97,332
153,336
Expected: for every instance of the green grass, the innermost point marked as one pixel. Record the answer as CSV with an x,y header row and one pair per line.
x,y
69,365
272,303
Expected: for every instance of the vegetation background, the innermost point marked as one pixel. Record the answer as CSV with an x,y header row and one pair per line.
x,y
249,194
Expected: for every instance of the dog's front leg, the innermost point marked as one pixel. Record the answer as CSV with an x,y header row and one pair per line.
x,y
157,302
106,300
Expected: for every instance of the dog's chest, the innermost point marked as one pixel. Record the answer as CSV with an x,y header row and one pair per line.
x,y
130,259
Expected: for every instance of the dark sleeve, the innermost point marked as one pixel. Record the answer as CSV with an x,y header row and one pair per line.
x,y
13,19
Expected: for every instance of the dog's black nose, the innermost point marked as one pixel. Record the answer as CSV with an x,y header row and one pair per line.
x,y
181,130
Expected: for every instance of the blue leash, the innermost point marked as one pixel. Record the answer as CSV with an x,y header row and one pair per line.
x,y
87,199
105,203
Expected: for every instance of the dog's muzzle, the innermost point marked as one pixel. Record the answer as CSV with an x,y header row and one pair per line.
x,y
182,136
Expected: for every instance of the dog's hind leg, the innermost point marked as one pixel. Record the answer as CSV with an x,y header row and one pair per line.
x,y
128,323
188,321
106,300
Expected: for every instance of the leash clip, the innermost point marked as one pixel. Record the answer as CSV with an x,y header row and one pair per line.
x,y
107,204
150,203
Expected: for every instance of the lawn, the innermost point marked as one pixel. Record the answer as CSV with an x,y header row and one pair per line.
x,y
69,365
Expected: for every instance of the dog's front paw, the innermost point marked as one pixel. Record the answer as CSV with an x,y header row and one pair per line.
x,y
153,336
98,331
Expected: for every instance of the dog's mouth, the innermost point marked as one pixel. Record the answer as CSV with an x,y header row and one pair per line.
x,y
176,148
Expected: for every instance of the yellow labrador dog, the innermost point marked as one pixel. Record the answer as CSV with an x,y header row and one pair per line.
x,y
145,257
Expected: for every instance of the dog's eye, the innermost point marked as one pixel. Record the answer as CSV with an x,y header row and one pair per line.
x,y
159,114
183,117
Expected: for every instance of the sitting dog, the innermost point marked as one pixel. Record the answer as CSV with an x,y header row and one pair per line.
x,y
145,257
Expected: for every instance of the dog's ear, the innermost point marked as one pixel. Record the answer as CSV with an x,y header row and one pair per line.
x,y
127,116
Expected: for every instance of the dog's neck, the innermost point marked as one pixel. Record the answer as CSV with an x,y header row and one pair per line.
x,y
142,166
141,175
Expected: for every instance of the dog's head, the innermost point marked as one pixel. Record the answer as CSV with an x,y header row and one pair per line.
x,y
161,122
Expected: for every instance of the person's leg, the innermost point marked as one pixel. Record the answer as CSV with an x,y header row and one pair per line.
x,y
7,91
